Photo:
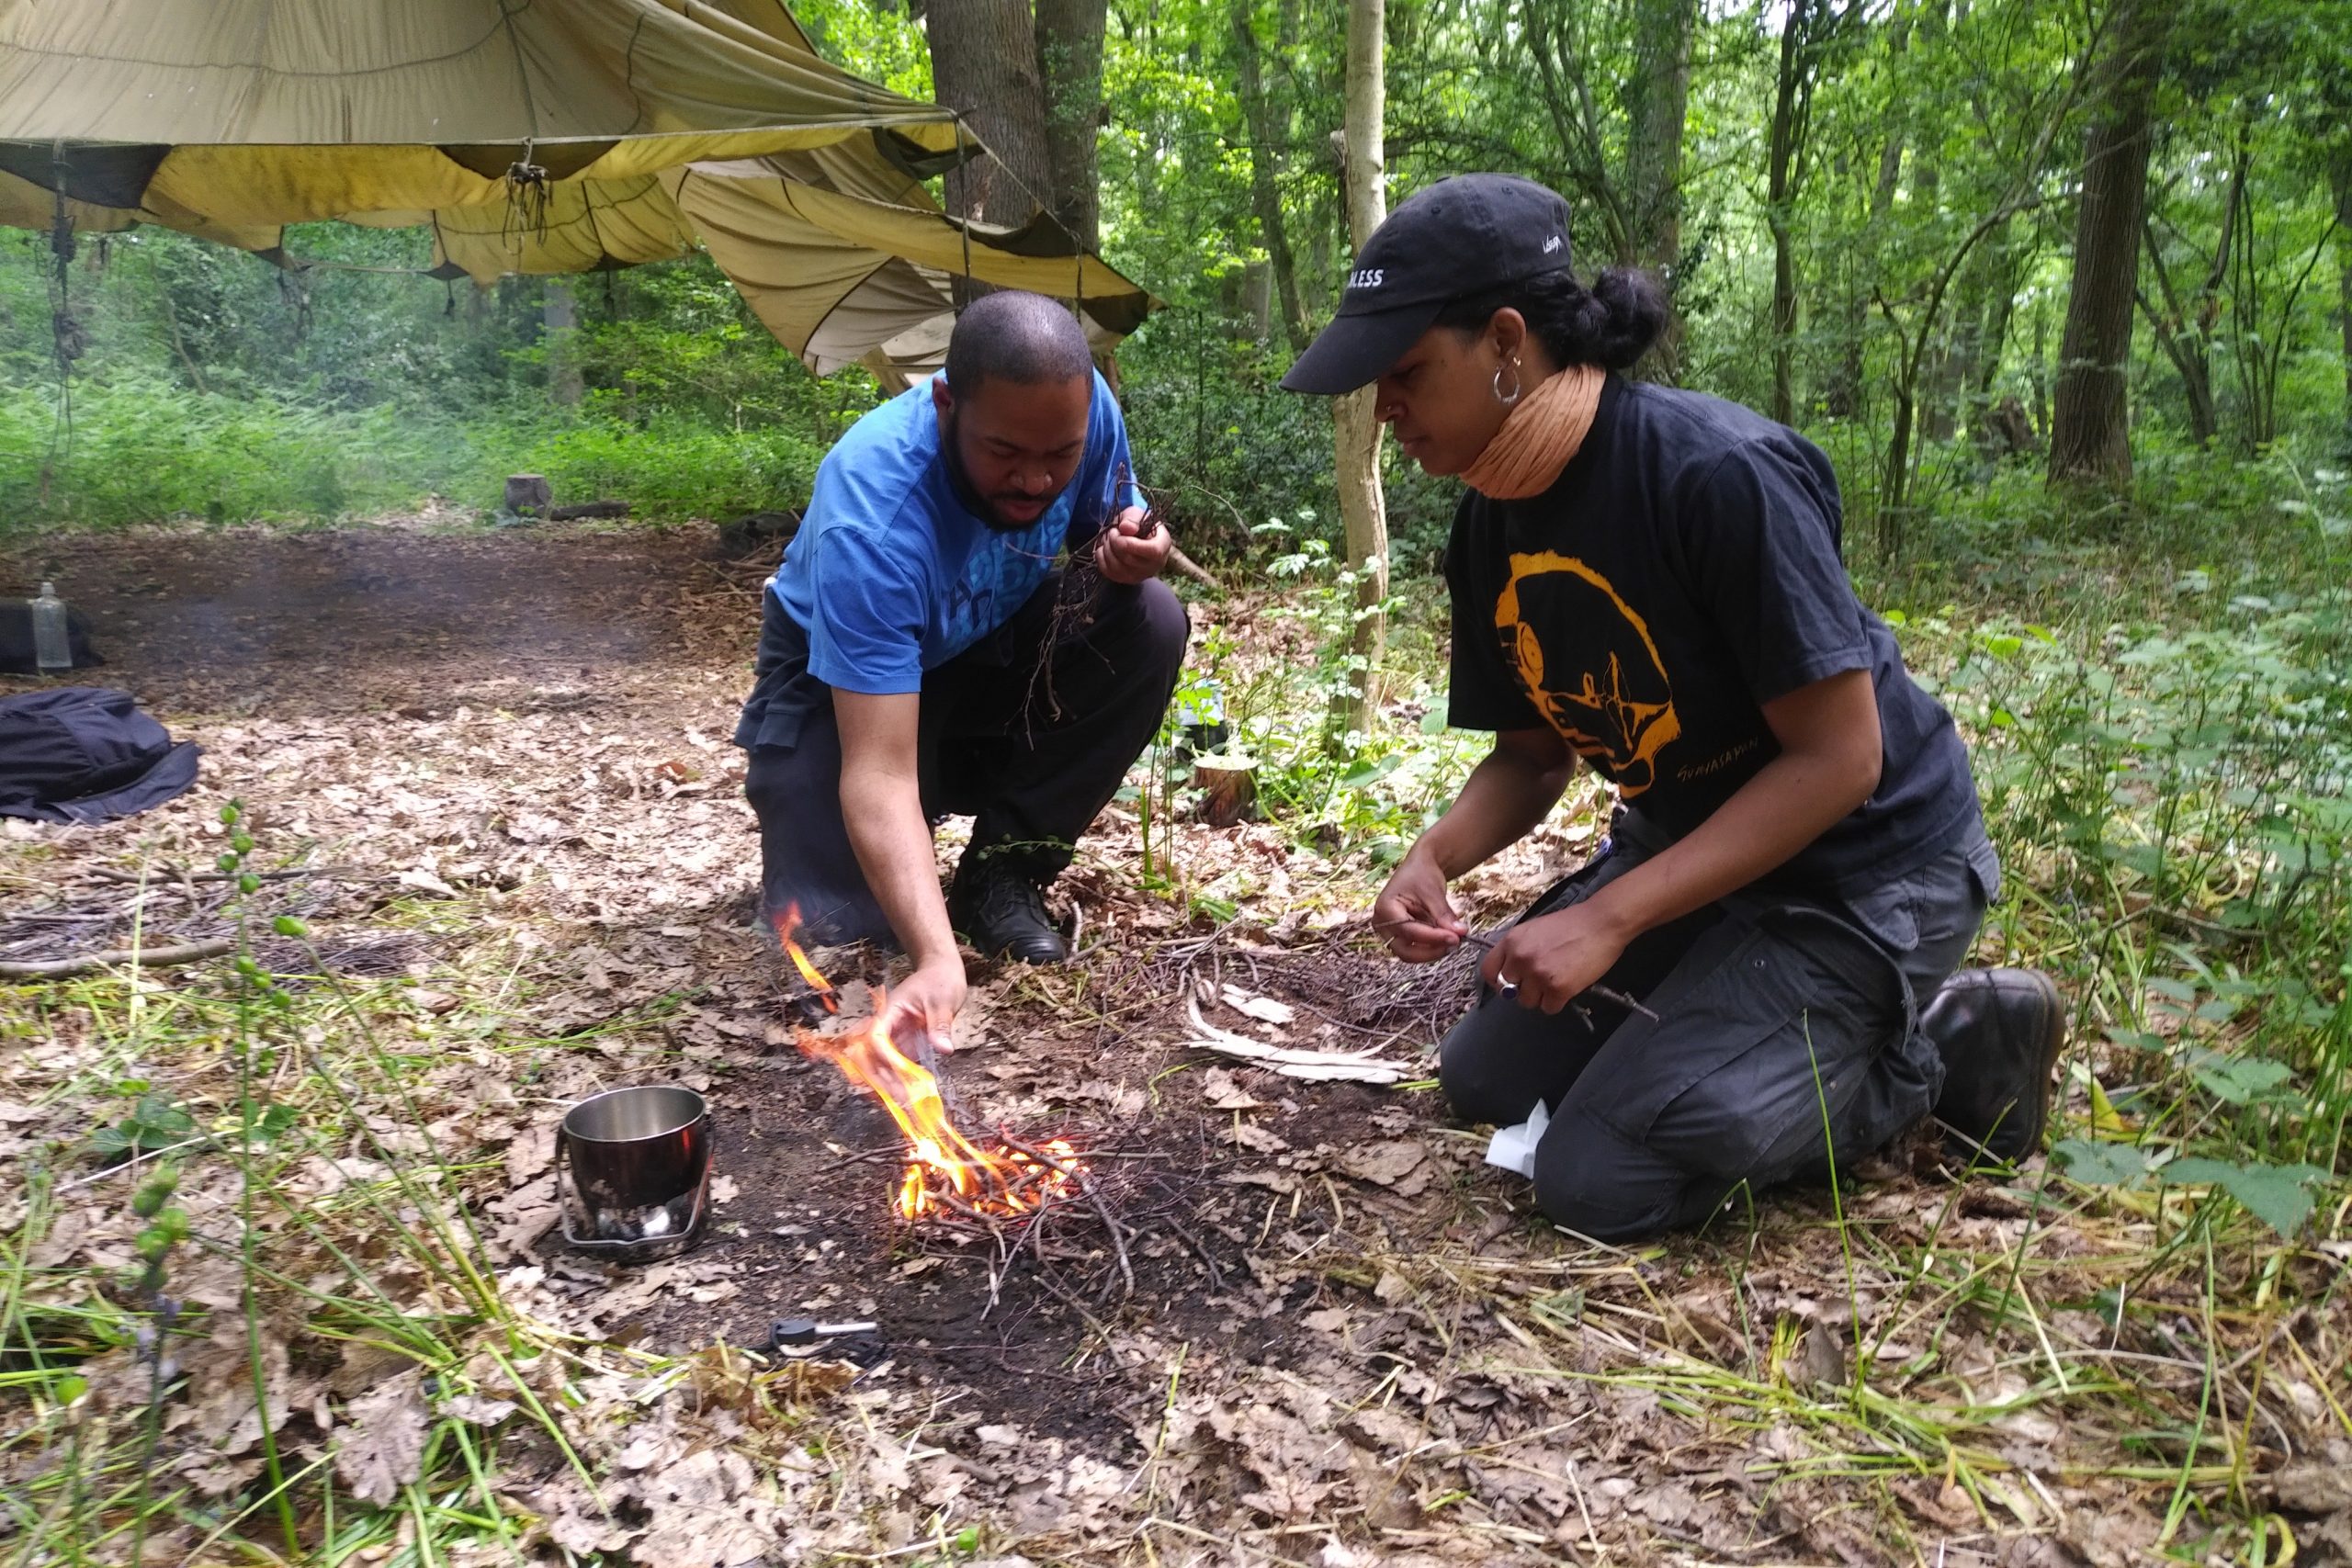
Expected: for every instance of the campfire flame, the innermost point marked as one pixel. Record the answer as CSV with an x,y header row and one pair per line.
x,y
945,1170
786,924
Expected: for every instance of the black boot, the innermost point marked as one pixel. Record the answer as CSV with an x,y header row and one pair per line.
x,y
1999,1032
1003,913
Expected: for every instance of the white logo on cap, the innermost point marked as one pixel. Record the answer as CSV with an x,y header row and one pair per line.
x,y
1367,278
1552,244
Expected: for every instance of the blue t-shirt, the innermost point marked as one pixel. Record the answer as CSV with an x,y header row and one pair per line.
x,y
889,574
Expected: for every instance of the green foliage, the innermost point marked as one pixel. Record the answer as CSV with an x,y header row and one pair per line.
x,y
155,1122
670,468
2277,1195
140,449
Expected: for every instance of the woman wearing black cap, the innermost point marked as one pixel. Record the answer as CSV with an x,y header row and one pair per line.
x,y
1649,579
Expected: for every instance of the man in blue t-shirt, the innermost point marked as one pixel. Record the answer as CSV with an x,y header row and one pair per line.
x,y
924,652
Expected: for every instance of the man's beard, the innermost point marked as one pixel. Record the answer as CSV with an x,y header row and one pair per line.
x,y
984,507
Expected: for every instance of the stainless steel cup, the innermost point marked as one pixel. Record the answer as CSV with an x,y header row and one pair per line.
x,y
638,1164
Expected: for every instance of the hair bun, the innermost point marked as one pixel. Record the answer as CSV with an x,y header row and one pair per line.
x,y
1626,313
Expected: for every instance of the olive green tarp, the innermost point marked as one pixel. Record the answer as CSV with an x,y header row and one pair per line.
x,y
531,136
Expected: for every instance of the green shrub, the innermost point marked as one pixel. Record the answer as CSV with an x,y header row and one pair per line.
x,y
137,448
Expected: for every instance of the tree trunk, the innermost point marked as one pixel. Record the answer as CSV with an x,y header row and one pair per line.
x,y
1780,182
2090,436
1070,59
2185,347
1656,104
1265,197
559,318
1843,399
2000,309
2343,173
984,67
1362,510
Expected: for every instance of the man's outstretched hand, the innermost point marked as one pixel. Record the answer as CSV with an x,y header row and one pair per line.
x,y
1133,548
928,1000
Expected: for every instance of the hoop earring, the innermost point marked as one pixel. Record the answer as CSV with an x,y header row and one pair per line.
x,y
1507,399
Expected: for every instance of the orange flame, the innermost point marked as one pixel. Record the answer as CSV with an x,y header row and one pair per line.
x,y
786,924
941,1159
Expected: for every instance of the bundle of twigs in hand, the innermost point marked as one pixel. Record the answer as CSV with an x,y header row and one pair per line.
x,y
1079,601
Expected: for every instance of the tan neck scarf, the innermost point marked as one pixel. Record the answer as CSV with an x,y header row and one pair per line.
x,y
1539,435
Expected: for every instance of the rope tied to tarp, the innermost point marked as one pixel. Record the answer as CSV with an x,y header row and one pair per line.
x,y
529,188
68,339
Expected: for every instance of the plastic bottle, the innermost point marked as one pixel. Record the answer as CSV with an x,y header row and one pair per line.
x,y
52,647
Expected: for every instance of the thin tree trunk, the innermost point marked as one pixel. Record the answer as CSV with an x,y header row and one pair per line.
x,y
984,67
2185,348
1070,59
2344,276
1843,398
1265,197
1993,337
2090,436
1658,103
1780,154
1955,368
559,319
1362,509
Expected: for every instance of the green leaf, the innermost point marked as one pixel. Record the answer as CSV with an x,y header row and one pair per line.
x,y
2243,1080
2100,1164
1363,773
2277,1195
113,1141
1433,722
156,1113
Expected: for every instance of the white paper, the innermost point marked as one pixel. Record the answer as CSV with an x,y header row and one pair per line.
x,y
1513,1148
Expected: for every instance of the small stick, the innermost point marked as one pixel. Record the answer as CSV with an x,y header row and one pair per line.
x,y
149,957
175,873
1216,1275
1126,1269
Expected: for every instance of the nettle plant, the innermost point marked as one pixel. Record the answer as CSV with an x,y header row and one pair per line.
x,y
2173,810
1343,791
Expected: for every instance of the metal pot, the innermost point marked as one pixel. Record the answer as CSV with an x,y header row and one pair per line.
x,y
638,1166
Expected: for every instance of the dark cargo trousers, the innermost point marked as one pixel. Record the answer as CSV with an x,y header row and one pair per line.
x,y
1779,1016
1029,732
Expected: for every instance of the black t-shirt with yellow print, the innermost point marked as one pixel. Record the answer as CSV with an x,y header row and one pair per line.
x,y
1682,571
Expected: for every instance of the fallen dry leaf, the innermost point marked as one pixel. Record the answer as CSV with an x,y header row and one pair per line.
x,y
1394,1163
381,1447
1249,1135
1219,1092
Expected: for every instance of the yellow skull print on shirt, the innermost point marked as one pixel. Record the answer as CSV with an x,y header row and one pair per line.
x,y
1618,716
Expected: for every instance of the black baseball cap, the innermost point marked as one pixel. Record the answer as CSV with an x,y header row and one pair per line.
x,y
1462,236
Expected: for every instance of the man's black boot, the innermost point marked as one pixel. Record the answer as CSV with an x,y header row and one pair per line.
x,y
1999,1032
1003,913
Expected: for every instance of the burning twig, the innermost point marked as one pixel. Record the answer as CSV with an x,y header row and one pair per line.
x,y
941,1161
1093,1196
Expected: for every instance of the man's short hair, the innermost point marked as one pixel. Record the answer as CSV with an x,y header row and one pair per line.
x,y
1024,338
